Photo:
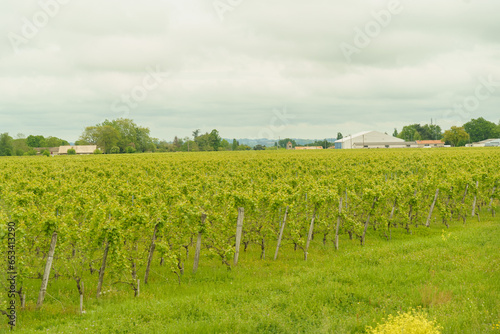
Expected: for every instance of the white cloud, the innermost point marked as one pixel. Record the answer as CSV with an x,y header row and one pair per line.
x,y
231,74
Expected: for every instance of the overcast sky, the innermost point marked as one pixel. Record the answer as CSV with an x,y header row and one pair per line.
x,y
249,68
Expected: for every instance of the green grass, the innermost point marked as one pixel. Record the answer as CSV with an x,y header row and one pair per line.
x,y
454,276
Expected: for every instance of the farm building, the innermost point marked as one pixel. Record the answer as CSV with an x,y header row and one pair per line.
x,y
308,147
52,150
80,149
493,143
485,143
372,139
430,143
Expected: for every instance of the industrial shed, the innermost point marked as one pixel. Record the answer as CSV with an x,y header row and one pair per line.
x,y
485,143
430,143
493,143
372,139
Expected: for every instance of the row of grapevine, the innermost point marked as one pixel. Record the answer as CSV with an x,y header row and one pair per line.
x,y
113,216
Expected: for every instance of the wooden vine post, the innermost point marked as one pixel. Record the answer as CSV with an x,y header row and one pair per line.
x,y
391,217
463,201
103,268
338,225
239,230
367,222
81,298
428,223
309,235
198,244
151,252
281,235
46,273
475,201
491,202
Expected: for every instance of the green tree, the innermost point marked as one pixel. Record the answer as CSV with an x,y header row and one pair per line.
x,y
55,142
20,147
90,136
105,136
431,132
189,146
71,151
114,150
418,132
6,144
480,129
322,143
81,142
130,134
177,143
224,144
408,132
108,138
496,131
259,147
456,136
244,148
36,141
214,140
339,136
203,143
235,145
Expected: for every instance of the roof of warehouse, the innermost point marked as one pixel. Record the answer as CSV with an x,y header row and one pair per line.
x,y
429,142
343,140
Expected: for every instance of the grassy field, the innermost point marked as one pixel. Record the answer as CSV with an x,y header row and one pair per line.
x,y
452,274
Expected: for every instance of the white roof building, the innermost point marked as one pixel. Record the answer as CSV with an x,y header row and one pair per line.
x,y
493,143
372,139
483,143
79,149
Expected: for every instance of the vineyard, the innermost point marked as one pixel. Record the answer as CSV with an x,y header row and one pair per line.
x,y
126,221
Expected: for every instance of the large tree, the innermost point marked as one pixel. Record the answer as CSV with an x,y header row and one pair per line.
x,y
130,134
121,132
108,137
480,129
418,132
235,145
55,142
20,147
104,136
409,131
36,141
6,144
431,132
90,136
214,139
456,136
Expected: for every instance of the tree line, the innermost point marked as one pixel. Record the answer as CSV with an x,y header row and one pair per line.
x,y
23,145
473,131
122,135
